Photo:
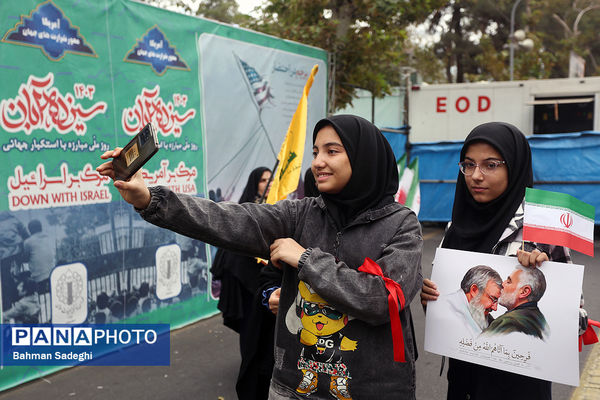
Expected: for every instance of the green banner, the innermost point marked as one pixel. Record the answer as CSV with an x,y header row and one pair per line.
x,y
79,78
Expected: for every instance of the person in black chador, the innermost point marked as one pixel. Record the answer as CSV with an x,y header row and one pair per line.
x,y
239,283
257,363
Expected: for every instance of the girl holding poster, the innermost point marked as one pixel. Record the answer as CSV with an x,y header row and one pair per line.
x,y
487,217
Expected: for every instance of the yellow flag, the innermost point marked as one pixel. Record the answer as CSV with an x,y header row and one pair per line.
x,y
287,175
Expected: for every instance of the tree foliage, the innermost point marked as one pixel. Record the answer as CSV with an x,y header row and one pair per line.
x,y
467,40
563,26
474,38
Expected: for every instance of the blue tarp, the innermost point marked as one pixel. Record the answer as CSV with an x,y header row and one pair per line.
x,y
561,163
397,139
437,163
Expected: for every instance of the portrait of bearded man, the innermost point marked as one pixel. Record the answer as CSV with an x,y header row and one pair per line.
x,y
477,297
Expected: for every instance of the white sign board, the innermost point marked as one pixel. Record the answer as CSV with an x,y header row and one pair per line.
x,y
68,293
551,353
250,94
168,271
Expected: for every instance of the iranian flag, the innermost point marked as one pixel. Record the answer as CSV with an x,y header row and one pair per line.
x,y
559,219
409,193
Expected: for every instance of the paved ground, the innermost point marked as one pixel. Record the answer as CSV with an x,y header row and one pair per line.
x,y
204,360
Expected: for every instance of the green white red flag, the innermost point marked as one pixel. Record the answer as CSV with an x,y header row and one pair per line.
x,y
559,219
409,192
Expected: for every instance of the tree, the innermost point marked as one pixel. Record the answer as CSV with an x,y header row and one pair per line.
x,y
564,26
367,39
493,20
423,60
458,30
474,38
363,37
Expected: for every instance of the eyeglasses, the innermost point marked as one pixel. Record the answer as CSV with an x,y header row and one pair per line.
x,y
311,309
493,299
487,167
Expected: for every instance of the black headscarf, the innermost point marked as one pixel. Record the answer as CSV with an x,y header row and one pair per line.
x,y
374,180
310,185
250,194
478,226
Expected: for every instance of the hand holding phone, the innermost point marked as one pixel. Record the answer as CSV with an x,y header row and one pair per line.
x,y
136,153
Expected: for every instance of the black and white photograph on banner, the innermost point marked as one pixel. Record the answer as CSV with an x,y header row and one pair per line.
x,y
94,263
493,311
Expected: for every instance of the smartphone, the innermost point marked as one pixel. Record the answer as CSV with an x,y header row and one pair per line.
x,y
136,153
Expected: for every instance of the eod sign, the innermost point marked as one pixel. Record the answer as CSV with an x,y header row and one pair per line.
x,y
463,104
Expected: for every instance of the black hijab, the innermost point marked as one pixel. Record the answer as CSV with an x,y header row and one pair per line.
x,y
310,185
374,180
250,193
478,226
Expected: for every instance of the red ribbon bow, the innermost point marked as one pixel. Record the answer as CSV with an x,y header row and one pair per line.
x,y
395,295
589,336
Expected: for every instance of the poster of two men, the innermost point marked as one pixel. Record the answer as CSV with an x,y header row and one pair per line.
x,y
494,312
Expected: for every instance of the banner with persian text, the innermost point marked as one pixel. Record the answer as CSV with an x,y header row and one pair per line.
x,y
79,78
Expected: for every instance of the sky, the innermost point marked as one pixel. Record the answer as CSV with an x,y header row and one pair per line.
x,y
245,6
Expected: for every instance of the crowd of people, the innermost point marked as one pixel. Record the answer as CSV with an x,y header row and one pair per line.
x,y
316,288
112,308
336,257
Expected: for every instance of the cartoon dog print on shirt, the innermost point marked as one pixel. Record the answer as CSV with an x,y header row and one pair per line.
x,y
323,343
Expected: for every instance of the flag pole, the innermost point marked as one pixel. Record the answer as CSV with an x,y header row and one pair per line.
x,y
258,109
268,139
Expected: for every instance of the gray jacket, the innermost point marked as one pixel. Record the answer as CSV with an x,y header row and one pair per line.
x,y
337,325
